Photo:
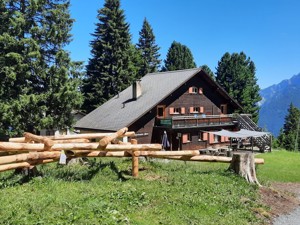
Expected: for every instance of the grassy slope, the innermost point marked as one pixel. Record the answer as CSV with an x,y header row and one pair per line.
x,y
281,166
165,193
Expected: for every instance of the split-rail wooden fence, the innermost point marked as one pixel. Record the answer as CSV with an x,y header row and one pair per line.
x,y
32,150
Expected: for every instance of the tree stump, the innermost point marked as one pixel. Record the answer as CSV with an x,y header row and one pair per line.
x,y
244,165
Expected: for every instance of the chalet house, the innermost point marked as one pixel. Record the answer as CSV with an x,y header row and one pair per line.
x,y
184,104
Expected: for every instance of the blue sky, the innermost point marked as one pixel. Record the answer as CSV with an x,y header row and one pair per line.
x,y
268,31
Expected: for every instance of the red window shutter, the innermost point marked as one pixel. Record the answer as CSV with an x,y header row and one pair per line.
x,y
211,138
222,139
171,110
200,91
182,110
201,109
191,109
190,90
184,138
205,136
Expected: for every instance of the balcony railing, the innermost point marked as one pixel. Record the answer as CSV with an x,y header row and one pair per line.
x,y
196,121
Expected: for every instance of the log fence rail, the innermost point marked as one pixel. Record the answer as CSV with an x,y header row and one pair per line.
x,y
32,150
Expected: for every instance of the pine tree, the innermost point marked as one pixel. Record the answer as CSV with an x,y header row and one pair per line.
x,y
136,62
289,137
179,57
109,69
206,69
149,50
236,74
39,83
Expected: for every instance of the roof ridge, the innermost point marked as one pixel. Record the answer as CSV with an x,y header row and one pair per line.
x,y
174,71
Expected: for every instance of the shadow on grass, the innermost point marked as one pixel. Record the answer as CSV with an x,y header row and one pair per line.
x,y
17,177
119,173
74,172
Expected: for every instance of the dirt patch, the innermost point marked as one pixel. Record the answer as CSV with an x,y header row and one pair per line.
x,y
293,188
281,198
152,177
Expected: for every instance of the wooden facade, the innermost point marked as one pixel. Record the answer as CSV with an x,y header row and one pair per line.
x,y
186,114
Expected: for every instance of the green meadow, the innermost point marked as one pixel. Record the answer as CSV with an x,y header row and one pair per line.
x,y
166,192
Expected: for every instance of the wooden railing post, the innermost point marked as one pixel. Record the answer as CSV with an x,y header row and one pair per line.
x,y
135,160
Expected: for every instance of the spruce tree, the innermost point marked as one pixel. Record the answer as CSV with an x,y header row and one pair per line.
x,y
206,69
109,69
39,82
179,57
289,137
149,50
236,74
135,62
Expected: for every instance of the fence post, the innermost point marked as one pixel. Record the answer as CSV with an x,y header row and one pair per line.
x,y
135,160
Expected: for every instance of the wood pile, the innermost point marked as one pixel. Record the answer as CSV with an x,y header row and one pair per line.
x,y
32,150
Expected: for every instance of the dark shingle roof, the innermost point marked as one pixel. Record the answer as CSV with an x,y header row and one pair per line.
x,y
121,111
112,115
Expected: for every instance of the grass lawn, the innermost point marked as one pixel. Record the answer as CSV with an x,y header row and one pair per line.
x,y
104,193
166,192
281,166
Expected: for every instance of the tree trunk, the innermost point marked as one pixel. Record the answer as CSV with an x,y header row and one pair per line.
x,y
244,165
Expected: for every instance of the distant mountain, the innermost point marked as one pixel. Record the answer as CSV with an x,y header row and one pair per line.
x,y
275,103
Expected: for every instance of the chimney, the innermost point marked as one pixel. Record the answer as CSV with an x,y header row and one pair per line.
x,y
136,89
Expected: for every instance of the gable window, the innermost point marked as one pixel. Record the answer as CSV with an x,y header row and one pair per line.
x,y
196,109
193,90
178,110
223,108
160,111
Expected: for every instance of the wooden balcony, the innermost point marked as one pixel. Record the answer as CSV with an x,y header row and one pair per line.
x,y
196,121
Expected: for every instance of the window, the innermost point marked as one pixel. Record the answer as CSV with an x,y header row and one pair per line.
x,y
178,110
186,138
223,108
217,138
193,90
160,111
196,109
200,136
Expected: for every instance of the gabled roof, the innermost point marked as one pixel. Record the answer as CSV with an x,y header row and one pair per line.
x,y
121,110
